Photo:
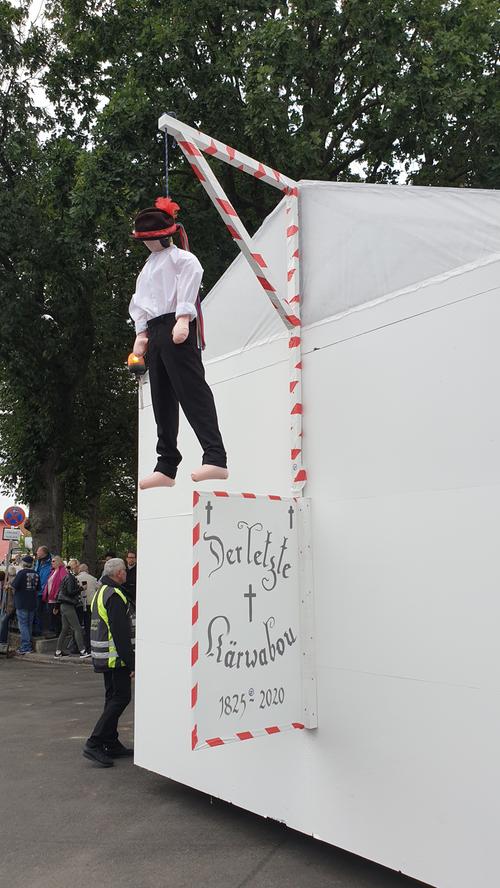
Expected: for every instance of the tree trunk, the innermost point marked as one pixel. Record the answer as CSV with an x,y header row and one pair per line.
x,y
89,543
46,511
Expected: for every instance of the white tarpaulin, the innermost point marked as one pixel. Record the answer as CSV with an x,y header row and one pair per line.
x,y
359,243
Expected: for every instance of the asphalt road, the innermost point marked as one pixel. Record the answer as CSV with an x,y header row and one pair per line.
x,y
66,824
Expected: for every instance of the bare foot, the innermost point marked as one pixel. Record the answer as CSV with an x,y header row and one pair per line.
x,y
208,473
157,479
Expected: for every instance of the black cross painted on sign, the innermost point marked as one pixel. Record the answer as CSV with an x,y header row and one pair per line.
x,y
291,513
250,595
209,507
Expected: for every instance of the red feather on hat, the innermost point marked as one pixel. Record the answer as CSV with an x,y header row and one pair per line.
x,y
167,205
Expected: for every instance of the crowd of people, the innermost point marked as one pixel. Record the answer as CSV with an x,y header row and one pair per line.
x,y
50,598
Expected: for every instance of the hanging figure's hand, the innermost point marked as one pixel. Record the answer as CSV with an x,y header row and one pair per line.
x,y
181,329
141,344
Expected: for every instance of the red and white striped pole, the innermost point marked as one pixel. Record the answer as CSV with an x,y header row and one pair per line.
x,y
195,653
299,475
193,143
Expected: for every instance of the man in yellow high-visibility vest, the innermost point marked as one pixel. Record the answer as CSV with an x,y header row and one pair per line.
x,y
112,647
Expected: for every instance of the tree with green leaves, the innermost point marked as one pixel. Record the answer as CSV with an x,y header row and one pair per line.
x,y
400,91
321,89
68,423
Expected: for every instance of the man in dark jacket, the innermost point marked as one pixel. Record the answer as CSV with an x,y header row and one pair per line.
x,y
25,585
131,575
112,646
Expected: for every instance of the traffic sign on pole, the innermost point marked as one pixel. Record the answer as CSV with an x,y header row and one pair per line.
x,y
14,516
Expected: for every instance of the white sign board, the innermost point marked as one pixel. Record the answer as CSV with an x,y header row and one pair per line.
x,y
11,533
246,651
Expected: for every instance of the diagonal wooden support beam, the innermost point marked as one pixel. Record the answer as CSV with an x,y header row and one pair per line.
x,y
193,143
237,230
183,132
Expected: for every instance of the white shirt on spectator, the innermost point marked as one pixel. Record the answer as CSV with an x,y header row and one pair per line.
x,y
169,282
89,590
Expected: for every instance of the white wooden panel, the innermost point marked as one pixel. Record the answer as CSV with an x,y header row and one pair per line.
x,y
402,432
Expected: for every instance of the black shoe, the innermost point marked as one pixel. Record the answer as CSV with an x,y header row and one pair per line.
x,y
98,756
118,750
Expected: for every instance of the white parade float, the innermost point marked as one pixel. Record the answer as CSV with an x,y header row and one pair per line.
x,y
390,666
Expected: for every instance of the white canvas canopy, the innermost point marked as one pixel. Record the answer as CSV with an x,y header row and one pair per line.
x,y
400,292
359,244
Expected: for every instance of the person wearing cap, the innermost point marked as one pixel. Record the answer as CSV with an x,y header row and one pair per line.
x,y
25,585
169,326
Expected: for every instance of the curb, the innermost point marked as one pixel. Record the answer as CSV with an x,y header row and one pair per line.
x,y
49,659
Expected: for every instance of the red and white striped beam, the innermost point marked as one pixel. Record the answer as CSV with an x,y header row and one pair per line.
x,y
298,473
237,229
193,143
194,618
183,132
249,735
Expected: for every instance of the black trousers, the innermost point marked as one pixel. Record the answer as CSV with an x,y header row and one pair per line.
x,y
51,622
117,696
177,376
86,627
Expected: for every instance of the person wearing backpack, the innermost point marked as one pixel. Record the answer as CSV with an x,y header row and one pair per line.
x,y
68,599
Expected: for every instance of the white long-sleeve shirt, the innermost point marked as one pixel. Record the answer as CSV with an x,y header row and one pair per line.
x,y
88,586
169,282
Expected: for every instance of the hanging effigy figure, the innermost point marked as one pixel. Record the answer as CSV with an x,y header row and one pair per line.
x,y
166,311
